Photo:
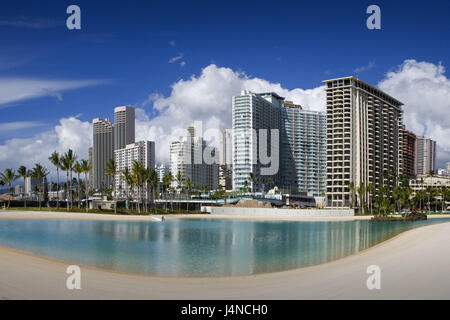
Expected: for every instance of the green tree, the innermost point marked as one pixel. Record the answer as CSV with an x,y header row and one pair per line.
x,y
362,194
167,181
8,177
67,162
86,167
351,187
55,159
22,172
78,170
370,191
39,173
110,171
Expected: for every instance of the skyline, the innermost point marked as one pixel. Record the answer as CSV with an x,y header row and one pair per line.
x,y
62,91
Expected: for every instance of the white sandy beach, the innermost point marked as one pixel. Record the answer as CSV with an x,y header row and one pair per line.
x,y
414,265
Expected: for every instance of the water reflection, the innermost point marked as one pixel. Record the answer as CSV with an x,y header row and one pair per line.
x,y
198,247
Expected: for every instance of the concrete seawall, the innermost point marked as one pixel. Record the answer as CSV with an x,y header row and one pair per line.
x,y
279,212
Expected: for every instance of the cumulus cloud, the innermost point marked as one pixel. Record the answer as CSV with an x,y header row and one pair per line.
x,y
207,98
69,133
425,91
18,89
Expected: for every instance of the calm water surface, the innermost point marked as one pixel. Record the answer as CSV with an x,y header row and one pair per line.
x,y
198,247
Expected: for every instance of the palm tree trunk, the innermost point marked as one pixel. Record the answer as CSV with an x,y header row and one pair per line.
x,y
67,188
25,196
58,188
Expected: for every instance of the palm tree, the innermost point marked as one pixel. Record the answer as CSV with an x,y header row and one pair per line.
x,y
78,170
431,175
370,190
8,177
65,166
180,180
252,179
129,181
55,159
138,177
39,173
153,180
362,193
167,181
188,190
67,162
110,171
351,187
86,167
22,172
397,195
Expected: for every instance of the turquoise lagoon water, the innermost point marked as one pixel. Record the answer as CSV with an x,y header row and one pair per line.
x,y
198,247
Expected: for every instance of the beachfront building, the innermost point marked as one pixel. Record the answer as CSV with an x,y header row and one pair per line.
x,y
364,138
303,145
102,152
252,113
124,127
143,152
187,158
225,159
425,182
425,156
409,147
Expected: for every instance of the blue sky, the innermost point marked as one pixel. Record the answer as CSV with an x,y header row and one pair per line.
x,y
121,55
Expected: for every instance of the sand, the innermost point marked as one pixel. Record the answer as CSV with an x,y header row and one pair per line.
x,y
414,265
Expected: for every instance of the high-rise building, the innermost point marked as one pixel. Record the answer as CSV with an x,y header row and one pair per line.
x,y
447,166
303,145
103,151
123,127
253,115
425,156
143,152
187,159
409,147
364,138
225,159
91,172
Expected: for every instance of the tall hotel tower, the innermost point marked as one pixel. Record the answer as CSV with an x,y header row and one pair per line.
x,y
252,112
123,127
425,156
364,138
103,150
303,141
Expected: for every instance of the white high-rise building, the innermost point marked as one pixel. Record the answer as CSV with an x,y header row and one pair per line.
x,y
187,158
143,152
425,156
252,112
303,142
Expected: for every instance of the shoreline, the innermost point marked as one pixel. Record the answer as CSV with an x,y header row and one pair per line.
x,y
400,256
47,215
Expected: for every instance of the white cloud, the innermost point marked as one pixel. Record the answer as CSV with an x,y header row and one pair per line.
x,y
18,89
172,43
69,133
18,125
425,91
207,98
176,58
369,66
